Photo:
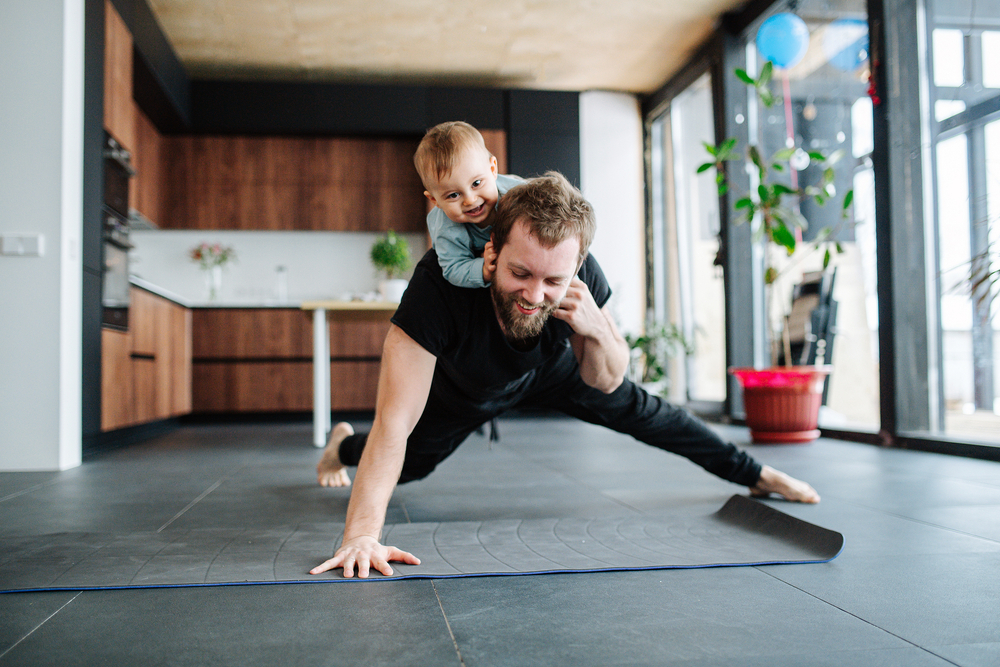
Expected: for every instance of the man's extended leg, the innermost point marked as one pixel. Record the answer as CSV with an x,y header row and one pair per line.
x,y
650,419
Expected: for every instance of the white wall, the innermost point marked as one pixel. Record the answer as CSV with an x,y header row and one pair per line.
x,y
320,265
41,158
611,174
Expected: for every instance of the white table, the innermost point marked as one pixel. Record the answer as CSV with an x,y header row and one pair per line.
x,y
321,351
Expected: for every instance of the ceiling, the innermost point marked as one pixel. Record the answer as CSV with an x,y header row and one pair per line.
x,y
625,45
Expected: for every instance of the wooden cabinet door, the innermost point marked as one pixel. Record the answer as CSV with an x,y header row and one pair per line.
x,y
144,195
291,183
117,385
146,372
260,360
144,322
118,105
180,364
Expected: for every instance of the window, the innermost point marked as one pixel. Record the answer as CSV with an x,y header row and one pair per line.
x,y
822,105
965,134
689,290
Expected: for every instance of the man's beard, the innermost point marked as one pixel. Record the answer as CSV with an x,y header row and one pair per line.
x,y
518,327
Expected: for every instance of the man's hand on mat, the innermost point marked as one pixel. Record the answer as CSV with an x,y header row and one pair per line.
x,y
365,552
789,488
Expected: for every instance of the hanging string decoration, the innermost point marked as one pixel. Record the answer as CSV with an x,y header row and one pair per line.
x,y
783,39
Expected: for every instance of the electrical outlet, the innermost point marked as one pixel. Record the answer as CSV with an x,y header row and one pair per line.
x,y
24,245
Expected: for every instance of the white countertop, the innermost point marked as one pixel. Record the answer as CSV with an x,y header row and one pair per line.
x,y
311,304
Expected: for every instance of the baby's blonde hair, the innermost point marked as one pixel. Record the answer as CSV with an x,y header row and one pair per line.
x,y
442,146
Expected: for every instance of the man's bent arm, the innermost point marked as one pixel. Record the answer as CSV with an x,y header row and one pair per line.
x,y
599,347
403,386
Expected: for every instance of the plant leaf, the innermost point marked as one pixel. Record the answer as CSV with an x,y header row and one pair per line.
x,y
784,154
743,203
826,258
705,167
742,75
784,237
712,150
848,198
765,73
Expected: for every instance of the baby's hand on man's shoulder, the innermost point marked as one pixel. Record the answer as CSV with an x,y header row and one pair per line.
x,y
489,262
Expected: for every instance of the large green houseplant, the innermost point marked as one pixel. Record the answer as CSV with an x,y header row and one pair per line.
x,y
781,403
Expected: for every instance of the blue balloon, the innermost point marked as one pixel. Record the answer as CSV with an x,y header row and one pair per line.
x,y
783,39
845,43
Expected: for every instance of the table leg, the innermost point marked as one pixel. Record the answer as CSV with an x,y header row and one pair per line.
x,y
321,377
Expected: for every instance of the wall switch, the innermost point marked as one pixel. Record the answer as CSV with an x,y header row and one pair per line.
x,y
25,245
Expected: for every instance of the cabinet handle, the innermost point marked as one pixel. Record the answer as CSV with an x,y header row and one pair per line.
x,y
147,357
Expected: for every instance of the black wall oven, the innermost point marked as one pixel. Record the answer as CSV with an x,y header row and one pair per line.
x,y
115,275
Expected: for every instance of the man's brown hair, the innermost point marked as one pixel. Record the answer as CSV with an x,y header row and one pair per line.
x,y
552,209
442,146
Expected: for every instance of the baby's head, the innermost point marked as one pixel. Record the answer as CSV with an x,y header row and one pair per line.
x,y
458,172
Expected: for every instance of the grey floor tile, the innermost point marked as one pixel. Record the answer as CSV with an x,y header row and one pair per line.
x,y
385,623
971,655
980,520
722,616
926,599
22,613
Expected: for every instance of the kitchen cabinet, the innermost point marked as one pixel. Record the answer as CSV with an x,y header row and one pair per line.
x,y
146,371
144,195
260,359
119,109
290,183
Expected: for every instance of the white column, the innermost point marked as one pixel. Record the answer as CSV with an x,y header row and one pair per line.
x,y
321,377
41,195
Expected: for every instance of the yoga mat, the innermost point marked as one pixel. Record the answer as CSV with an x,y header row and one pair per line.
x,y
744,532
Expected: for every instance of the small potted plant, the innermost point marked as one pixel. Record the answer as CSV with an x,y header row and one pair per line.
x,y
391,255
652,351
781,402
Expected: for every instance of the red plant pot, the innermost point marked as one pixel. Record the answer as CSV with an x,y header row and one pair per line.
x,y
782,403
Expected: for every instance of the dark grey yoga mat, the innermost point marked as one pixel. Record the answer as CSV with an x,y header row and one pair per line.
x,y
743,532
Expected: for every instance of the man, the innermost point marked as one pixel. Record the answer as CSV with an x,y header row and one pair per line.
x,y
540,335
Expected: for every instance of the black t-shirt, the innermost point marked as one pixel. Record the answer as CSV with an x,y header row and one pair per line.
x,y
459,326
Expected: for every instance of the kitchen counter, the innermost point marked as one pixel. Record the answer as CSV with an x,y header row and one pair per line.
x,y
159,291
340,305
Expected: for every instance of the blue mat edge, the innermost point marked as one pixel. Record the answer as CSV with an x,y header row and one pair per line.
x,y
379,577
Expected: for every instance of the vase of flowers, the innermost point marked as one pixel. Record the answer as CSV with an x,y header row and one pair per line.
x,y
211,257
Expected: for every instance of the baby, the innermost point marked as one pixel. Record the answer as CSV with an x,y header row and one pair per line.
x,y
461,180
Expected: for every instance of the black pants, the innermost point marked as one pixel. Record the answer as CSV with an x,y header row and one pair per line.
x,y
451,416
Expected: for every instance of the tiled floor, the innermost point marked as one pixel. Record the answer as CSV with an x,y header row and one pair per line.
x,y
917,583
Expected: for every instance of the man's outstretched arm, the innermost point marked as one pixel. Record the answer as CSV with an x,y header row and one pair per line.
x,y
599,348
403,386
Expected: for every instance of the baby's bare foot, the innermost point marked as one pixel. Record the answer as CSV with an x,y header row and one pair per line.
x,y
330,471
789,488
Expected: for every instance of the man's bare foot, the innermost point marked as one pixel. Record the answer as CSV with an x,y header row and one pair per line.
x,y
789,488
330,471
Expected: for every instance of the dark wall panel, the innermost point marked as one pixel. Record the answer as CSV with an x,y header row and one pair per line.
x,y
483,108
93,188
238,107
91,351
543,133
162,86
